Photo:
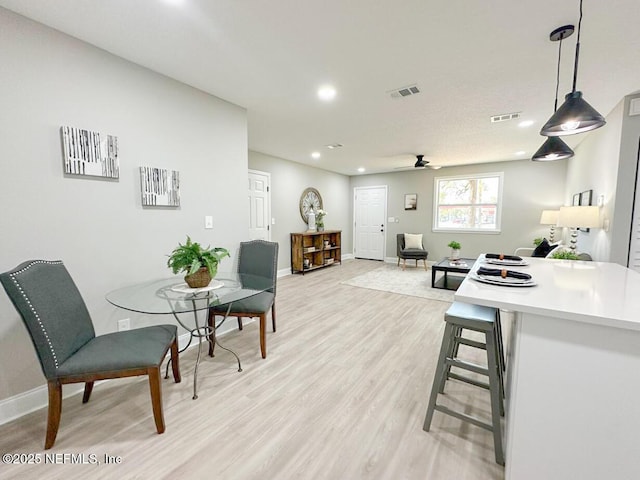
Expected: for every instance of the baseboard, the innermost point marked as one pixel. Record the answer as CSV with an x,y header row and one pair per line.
x,y
26,402
30,401
284,272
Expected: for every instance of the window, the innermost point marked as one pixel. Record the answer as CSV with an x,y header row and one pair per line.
x,y
469,203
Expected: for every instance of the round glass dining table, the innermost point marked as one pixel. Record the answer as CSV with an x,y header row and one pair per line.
x,y
173,296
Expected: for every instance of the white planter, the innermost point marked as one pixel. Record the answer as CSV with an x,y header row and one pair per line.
x,y
455,254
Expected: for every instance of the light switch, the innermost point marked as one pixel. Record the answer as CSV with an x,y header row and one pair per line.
x,y
391,220
208,221
600,200
273,221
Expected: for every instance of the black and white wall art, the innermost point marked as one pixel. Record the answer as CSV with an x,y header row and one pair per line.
x,y
90,153
160,187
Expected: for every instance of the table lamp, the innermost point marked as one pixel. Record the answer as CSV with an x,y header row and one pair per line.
x,y
550,217
578,217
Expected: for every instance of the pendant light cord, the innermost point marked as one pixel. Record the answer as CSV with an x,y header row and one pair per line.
x,y
575,67
555,104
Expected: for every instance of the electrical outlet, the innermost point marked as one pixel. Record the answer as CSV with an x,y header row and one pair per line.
x,y
124,324
208,222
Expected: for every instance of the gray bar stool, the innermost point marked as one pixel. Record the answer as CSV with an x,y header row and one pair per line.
x,y
486,320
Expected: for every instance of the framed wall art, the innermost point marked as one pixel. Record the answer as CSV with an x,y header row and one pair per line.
x,y
411,201
576,200
160,187
88,153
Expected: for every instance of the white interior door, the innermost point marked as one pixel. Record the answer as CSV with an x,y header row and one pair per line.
x,y
370,213
259,205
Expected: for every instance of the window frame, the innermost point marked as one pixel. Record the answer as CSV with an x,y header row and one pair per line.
x,y
476,176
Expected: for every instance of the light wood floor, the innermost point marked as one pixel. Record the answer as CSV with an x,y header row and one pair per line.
x,y
342,394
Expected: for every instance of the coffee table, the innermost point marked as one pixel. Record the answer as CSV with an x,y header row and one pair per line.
x,y
446,266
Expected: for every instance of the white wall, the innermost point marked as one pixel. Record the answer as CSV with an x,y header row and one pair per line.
x,y
606,162
595,167
529,188
98,227
288,181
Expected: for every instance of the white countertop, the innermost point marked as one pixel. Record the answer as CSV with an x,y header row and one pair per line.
x,y
600,293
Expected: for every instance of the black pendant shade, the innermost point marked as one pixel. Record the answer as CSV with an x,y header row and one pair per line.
x,y
553,148
575,115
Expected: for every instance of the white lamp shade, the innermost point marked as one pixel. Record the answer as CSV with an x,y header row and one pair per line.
x,y
549,217
579,217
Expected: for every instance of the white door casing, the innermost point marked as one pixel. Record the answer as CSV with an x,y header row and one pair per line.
x,y
633,255
259,205
370,213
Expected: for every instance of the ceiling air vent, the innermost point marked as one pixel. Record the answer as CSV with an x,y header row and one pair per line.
x,y
404,91
505,117
334,145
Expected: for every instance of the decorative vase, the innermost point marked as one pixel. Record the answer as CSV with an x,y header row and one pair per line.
x,y
455,254
311,221
200,279
320,227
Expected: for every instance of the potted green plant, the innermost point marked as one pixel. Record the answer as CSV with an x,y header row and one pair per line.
x,y
200,264
455,249
320,219
565,255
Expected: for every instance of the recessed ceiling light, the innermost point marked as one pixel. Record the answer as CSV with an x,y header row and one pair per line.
x,y
520,152
525,123
327,93
174,2
315,155
361,169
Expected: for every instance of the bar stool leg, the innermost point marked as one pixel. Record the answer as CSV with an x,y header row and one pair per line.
x,y
496,396
440,373
500,358
452,352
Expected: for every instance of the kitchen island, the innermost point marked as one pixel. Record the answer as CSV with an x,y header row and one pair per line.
x,y
573,369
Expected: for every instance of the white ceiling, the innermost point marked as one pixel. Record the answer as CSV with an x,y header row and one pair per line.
x,y
470,59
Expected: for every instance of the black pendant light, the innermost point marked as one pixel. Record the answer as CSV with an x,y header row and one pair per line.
x,y
554,148
575,115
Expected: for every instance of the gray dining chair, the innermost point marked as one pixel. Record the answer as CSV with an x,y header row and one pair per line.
x,y
68,349
260,258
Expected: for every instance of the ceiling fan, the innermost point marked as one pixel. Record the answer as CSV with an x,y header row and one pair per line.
x,y
420,163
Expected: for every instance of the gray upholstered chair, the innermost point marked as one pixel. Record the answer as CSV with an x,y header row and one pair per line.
x,y
62,333
257,257
409,253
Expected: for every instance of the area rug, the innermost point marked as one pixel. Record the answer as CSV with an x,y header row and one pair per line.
x,y
411,281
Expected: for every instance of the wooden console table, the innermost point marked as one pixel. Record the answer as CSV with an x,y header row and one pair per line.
x,y
313,250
